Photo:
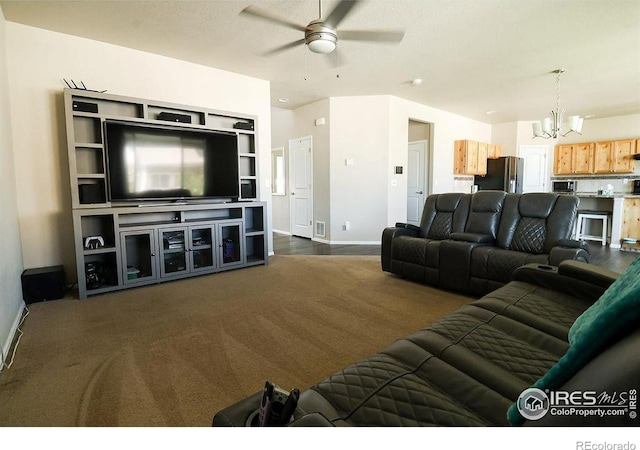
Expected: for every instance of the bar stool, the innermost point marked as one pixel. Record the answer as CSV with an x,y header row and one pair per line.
x,y
584,216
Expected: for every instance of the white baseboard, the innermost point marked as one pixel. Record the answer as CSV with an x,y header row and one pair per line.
x,y
6,346
288,233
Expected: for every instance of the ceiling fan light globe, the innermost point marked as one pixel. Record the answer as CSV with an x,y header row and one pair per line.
x,y
321,44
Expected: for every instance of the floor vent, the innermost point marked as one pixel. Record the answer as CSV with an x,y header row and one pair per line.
x,y
320,228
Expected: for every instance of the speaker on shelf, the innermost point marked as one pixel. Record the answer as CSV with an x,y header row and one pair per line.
x,y
85,107
41,284
243,126
173,117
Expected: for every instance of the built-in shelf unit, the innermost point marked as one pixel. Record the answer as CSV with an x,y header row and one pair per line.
x,y
122,245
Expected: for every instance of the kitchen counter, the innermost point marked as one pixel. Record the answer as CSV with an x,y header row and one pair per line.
x,y
615,195
613,203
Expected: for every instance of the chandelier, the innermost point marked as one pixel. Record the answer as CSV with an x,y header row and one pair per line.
x,y
551,127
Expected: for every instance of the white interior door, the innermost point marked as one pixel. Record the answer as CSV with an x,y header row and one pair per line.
x,y
416,181
536,173
301,187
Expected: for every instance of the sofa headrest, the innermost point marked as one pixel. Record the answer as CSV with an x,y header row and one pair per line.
x,y
487,201
485,212
537,204
448,202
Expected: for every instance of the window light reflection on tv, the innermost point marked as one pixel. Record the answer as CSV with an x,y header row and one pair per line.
x,y
169,163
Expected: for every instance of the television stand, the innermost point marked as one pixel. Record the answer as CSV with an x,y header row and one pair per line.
x,y
140,244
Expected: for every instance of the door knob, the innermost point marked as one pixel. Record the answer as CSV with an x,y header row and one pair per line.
x,y
293,193
419,192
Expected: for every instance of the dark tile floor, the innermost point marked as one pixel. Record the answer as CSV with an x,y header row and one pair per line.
x,y
612,259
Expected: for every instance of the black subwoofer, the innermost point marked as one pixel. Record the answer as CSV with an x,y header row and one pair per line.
x,y
41,284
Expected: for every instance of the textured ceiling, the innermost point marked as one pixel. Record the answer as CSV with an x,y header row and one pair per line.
x,y
473,56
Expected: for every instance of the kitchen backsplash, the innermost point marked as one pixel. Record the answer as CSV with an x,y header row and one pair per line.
x,y
462,184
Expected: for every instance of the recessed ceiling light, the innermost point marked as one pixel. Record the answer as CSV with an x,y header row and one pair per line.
x,y
416,82
283,100
488,113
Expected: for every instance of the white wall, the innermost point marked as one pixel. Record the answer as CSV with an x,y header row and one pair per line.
x,y
506,135
360,134
38,60
11,267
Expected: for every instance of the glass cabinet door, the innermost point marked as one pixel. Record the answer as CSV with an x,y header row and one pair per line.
x,y
202,248
173,251
230,243
138,256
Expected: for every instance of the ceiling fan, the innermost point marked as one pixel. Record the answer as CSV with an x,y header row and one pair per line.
x,y
321,35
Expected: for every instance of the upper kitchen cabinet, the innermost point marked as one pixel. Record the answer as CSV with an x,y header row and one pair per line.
x,y
595,157
573,159
623,152
614,156
470,158
494,151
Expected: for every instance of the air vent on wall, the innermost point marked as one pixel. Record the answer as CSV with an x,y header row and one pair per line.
x,y
320,228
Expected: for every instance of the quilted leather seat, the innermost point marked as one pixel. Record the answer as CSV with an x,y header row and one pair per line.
x,y
417,254
473,242
468,368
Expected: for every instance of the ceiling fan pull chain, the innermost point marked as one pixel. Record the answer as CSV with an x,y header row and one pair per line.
x,y
305,65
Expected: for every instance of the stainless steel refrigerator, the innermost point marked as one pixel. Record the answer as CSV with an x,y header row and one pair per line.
x,y
503,174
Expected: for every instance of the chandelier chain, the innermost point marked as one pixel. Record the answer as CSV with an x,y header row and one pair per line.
x,y
558,91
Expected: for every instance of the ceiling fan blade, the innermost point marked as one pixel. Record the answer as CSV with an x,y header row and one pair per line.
x,y
261,14
371,35
284,47
341,11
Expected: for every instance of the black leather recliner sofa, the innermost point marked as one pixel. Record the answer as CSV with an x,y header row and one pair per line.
x,y
469,368
473,242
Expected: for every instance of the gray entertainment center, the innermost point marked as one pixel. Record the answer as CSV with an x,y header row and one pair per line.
x,y
145,212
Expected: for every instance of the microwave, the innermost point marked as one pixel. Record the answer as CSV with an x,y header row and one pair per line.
x,y
564,186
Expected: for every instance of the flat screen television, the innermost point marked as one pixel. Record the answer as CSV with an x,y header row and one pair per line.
x,y
148,162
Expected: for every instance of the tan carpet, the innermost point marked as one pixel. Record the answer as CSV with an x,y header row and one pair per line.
x,y
175,353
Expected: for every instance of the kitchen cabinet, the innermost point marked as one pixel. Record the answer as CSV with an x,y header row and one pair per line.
x,y
595,157
602,157
614,156
622,159
571,159
631,218
470,158
494,151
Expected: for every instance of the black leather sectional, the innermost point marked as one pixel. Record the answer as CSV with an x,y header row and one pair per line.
x,y
474,242
469,368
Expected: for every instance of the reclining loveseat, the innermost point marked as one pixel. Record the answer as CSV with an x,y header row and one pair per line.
x,y
473,242
555,346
